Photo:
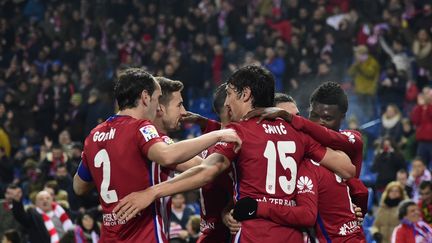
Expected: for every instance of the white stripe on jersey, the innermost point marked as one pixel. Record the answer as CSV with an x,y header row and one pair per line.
x,y
202,202
236,186
237,236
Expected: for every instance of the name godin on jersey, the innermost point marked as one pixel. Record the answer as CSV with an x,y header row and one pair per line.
x,y
305,185
350,136
349,227
272,129
149,132
103,136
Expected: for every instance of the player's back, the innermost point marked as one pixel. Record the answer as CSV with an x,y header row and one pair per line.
x,y
266,168
115,153
336,218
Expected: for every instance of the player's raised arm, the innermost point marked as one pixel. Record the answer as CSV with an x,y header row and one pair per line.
x,y
191,179
339,162
168,155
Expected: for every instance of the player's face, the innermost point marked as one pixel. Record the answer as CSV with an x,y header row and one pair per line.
x,y
233,103
173,112
154,102
326,115
413,213
289,106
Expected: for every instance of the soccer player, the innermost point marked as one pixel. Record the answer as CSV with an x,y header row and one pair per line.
x,y
265,166
118,153
216,194
337,221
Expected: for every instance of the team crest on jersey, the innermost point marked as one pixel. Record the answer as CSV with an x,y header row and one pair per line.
x,y
149,132
167,140
350,136
305,185
204,154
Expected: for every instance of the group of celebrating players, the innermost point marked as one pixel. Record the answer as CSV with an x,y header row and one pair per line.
x,y
265,173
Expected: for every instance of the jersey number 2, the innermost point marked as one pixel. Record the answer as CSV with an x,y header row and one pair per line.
x,y
288,162
102,159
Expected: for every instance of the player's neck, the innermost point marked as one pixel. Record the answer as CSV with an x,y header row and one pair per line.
x,y
159,125
132,112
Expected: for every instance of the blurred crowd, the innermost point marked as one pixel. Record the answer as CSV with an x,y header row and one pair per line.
x,y
58,60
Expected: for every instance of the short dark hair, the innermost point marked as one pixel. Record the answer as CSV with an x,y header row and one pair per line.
x,y
168,87
12,235
130,85
219,98
330,93
259,80
282,98
418,158
403,208
425,184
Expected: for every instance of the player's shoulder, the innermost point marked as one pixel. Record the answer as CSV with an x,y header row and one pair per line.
x,y
353,136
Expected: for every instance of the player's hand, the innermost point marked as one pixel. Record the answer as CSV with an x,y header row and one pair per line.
x,y
246,208
191,117
229,221
358,213
230,136
268,113
132,204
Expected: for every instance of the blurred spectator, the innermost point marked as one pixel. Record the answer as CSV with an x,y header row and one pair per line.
x,y
419,173
180,213
407,142
421,117
402,178
87,229
47,222
388,161
365,72
8,220
6,169
193,228
398,56
386,217
276,65
11,236
425,202
391,123
422,49
53,159
391,88
411,228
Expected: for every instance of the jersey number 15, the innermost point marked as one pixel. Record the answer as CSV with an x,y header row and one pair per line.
x,y
288,163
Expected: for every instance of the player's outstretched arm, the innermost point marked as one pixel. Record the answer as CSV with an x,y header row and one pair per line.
x,y
193,178
338,162
169,155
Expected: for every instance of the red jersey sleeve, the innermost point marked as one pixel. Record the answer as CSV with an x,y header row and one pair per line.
x,y
147,135
227,149
313,150
304,214
348,141
211,126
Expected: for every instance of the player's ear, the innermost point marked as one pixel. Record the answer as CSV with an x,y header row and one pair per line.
x,y
246,94
161,111
145,97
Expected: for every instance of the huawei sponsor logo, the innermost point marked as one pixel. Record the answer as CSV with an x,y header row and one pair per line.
x,y
304,185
